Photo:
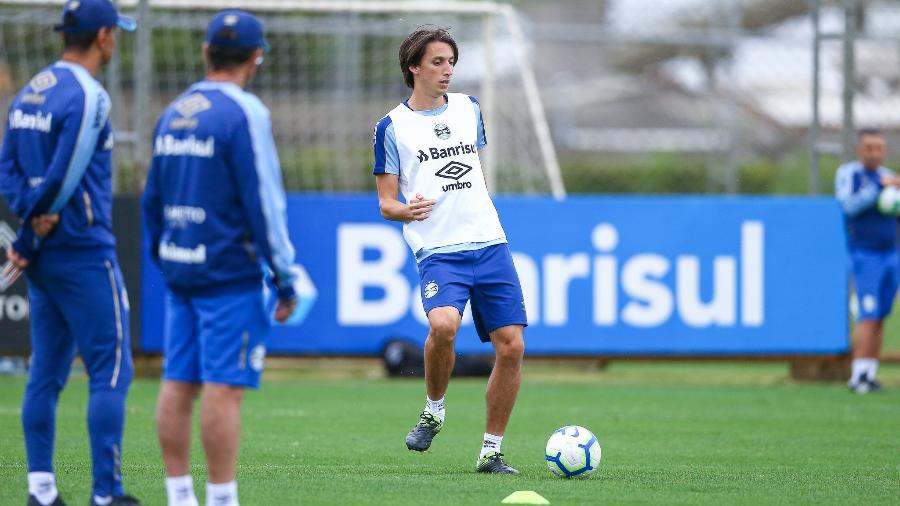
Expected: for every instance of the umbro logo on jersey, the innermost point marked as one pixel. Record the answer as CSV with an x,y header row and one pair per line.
x,y
442,131
453,170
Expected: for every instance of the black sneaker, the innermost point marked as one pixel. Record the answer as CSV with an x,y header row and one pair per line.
x,y
32,501
861,386
125,500
419,438
493,463
874,386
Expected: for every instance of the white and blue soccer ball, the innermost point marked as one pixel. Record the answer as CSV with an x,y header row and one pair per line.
x,y
889,201
573,452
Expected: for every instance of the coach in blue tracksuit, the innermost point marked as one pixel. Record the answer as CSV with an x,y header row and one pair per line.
x,y
55,171
214,209
872,239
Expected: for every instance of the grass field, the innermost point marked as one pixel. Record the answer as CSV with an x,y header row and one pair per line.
x,y
680,433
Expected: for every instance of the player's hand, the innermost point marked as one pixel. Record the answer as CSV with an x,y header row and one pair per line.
x,y
44,224
891,181
285,309
12,269
420,207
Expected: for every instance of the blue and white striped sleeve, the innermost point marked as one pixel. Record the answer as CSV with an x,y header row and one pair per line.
x,y
83,122
479,123
254,159
384,144
853,202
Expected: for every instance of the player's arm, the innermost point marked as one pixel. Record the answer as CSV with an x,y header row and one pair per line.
x,y
254,160
853,202
79,133
13,181
152,208
388,185
387,178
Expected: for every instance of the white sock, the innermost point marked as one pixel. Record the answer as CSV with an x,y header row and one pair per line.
x,y
872,369
180,490
42,486
221,494
491,444
860,366
436,408
102,501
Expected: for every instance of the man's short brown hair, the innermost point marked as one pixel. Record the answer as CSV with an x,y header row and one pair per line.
x,y
412,50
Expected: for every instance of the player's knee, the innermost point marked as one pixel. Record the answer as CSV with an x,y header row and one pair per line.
x,y
509,345
512,349
443,326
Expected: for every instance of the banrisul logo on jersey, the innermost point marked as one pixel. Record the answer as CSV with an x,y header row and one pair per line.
x,y
455,171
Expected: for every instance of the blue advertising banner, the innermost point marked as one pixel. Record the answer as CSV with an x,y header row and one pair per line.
x,y
601,275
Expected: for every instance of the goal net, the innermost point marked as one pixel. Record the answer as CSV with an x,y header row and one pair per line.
x,y
332,73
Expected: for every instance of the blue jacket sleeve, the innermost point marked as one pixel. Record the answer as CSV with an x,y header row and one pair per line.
x,y
253,159
151,208
853,202
77,142
13,181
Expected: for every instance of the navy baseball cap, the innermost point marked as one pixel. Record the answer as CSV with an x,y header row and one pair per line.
x,y
236,28
81,16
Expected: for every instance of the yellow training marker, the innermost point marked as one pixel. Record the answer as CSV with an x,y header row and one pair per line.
x,y
525,497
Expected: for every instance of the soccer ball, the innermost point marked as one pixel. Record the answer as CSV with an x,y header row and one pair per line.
x,y
572,451
889,201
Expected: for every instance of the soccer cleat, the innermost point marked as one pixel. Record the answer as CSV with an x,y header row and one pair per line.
x,y
864,385
420,437
125,500
32,501
493,463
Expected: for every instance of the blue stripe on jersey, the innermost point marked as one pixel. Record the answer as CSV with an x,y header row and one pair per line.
x,y
271,191
379,146
482,135
88,135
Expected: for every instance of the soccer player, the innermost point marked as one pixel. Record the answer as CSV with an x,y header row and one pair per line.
x,y
427,149
55,171
872,239
214,209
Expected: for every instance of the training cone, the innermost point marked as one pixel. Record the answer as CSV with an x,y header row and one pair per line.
x,y
525,497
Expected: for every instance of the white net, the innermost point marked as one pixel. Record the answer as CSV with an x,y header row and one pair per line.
x,y
332,73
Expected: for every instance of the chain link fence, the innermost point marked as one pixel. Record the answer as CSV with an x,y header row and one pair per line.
x,y
641,96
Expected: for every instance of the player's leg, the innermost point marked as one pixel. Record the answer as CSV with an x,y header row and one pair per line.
x,y
232,332
440,355
220,428
181,382
95,303
503,385
868,275
52,352
445,289
499,314
889,284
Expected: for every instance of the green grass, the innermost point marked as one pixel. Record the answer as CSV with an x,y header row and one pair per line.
x,y
672,433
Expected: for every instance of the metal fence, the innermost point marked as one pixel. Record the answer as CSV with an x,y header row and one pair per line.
x,y
639,95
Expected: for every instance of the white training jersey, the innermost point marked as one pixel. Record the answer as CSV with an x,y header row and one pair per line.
x,y
439,159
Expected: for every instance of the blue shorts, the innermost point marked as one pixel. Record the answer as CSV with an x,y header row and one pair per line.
x,y
215,339
876,275
487,276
